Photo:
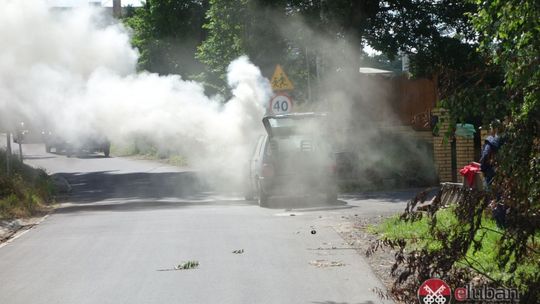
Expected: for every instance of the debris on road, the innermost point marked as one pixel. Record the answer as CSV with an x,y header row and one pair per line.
x,y
325,263
187,265
334,248
238,251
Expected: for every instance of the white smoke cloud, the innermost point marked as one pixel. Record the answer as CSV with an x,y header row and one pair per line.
x,y
76,70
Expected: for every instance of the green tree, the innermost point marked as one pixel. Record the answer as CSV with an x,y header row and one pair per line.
x,y
510,36
226,27
442,44
485,56
242,27
167,32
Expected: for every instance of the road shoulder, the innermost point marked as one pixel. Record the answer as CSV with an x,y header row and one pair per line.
x,y
11,229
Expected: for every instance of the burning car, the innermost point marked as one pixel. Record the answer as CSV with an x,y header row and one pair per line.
x,y
294,158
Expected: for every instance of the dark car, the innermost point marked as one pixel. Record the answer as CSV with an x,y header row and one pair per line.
x,y
25,133
294,158
88,144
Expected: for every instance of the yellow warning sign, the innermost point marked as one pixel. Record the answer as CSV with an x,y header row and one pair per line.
x,y
280,81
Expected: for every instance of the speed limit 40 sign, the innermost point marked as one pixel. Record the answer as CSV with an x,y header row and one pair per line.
x,y
281,103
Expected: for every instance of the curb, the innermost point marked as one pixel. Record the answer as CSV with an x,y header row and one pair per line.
x,y
12,229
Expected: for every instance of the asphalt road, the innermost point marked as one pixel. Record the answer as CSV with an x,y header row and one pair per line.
x,y
127,223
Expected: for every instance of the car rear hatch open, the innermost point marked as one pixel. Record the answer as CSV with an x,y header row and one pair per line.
x,y
298,145
284,125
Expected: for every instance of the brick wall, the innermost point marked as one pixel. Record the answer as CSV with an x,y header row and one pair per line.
x,y
442,148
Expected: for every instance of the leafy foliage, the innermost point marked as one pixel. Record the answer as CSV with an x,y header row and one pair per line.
x,y
167,34
458,244
442,43
510,35
485,56
25,191
226,26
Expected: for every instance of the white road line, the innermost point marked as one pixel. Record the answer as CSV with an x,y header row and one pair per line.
x,y
22,231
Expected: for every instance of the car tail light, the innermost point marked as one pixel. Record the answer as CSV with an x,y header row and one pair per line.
x,y
267,170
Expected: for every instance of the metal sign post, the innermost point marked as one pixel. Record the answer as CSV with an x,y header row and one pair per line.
x,y
8,154
20,137
20,150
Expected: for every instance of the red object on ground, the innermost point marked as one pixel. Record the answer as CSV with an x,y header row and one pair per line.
x,y
469,171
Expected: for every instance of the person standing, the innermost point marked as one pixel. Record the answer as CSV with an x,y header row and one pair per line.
x,y
488,166
489,150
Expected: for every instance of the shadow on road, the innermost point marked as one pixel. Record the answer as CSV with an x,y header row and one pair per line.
x,y
37,157
398,196
141,206
112,191
80,155
305,202
88,156
107,185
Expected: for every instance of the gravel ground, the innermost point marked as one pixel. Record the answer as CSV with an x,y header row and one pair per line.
x,y
356,235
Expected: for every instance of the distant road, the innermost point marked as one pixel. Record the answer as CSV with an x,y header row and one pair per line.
x,y
127,223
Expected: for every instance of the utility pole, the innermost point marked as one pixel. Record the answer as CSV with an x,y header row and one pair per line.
x,y
317,57
117,8
20,148
308,76
20,139
8,154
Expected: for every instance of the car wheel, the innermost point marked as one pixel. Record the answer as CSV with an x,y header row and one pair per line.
x,y
107,150
248,194
263,197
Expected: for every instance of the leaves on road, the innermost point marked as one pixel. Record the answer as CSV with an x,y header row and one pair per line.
x,y
325,263
187,265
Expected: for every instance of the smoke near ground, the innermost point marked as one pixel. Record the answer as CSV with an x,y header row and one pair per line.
x,y
377,148
74,72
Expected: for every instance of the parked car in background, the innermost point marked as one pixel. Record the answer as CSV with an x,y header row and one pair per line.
x,y
295,157
25,133
88,144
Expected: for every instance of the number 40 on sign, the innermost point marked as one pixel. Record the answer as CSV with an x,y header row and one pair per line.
x,y
281,103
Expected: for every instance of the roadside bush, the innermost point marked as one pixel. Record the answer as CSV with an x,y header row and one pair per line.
x,y
26,191
460,245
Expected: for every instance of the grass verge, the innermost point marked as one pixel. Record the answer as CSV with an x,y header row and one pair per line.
x,y
149,152
483,260
25,192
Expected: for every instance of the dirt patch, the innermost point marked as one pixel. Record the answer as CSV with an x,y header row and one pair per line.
x,y
355,233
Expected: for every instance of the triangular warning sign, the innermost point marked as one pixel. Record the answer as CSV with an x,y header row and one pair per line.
x,y
280,81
